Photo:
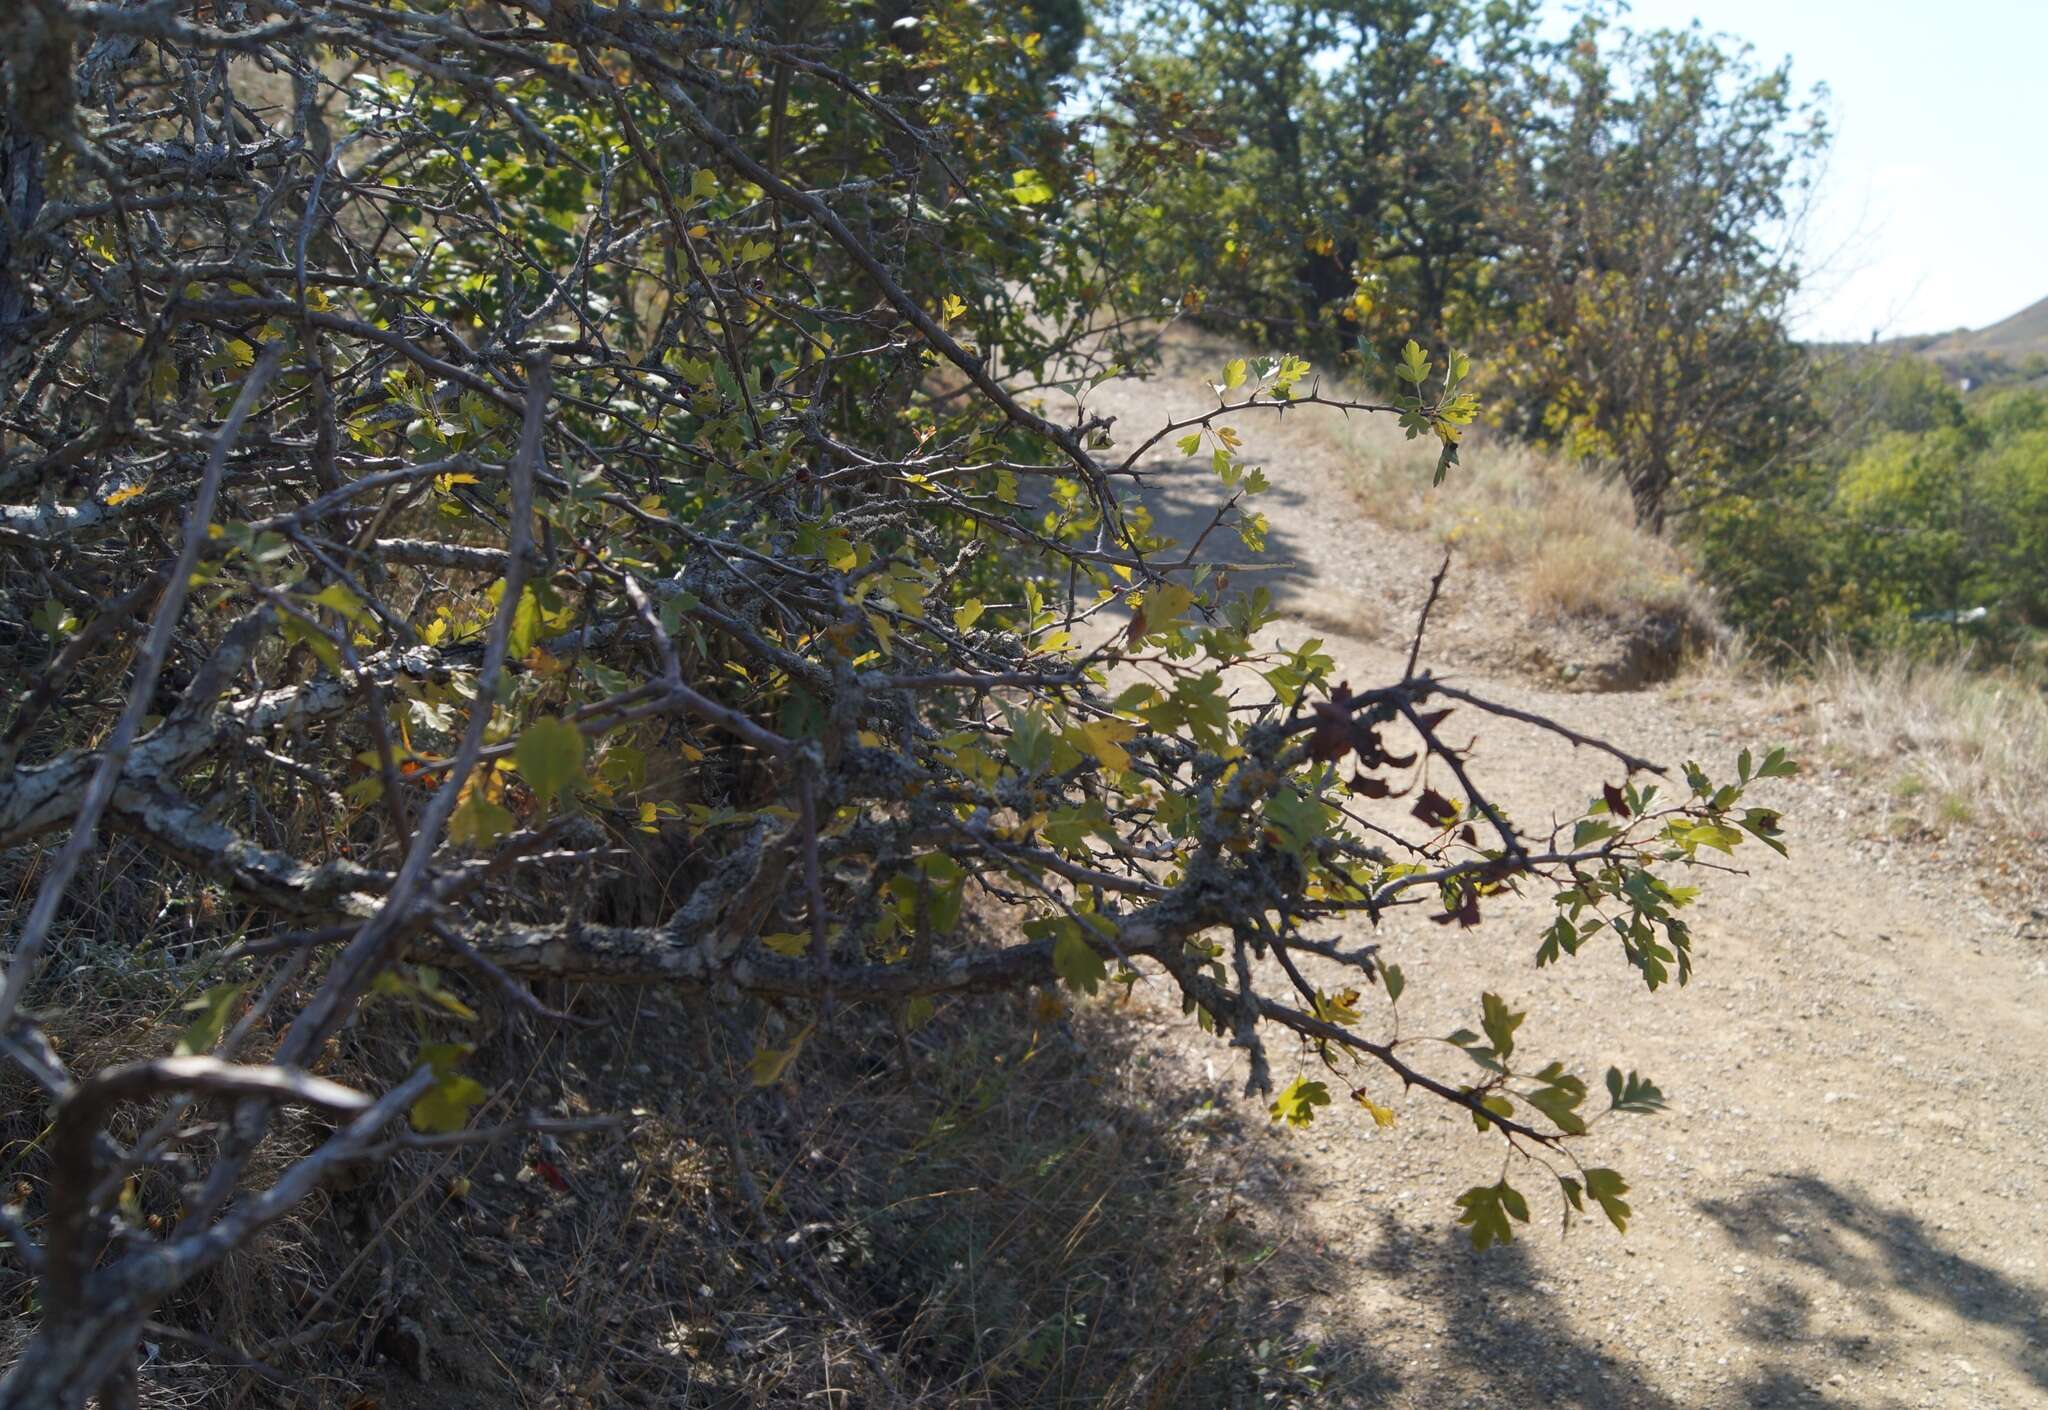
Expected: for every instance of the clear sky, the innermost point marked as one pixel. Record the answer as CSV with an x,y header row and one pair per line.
x,y
1933,210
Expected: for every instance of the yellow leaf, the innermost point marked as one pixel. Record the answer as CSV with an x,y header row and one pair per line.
x,y
1104,739
883,632
1165,604
1382,1116
124,494
1339,1008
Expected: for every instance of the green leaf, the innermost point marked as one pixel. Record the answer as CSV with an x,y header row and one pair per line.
x,y
478,822
525,625
1776,765
314,640
429,981
769,1064
1028,188
1233,374
53,619
550,757
1607,1188
1500,1024
1635,1094
345,602
1562,938
1707,834
1030,742
1500,1106
1591,830
211,1009
1762,824
1396,982
1296,1105
1558,1102
1075,960
1291,370
1488,1209
1300,819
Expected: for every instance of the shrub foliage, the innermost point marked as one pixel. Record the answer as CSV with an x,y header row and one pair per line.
x,y
464,458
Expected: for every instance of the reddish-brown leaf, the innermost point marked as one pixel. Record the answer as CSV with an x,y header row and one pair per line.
x,y
1616,804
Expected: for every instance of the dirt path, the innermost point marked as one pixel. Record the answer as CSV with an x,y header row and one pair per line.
x,y
1846,1205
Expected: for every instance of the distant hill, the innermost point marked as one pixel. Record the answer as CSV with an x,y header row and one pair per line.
x,y
2012,347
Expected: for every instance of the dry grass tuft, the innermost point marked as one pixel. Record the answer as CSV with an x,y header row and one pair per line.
x,y
1951,745
1566,538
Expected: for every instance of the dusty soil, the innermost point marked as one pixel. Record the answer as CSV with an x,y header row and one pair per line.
x,y
1846,1204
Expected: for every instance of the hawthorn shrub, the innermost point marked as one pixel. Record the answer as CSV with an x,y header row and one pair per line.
x,y
462,459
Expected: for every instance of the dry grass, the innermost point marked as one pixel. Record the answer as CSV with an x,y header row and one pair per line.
x,y
1011,1209
1949,744
1567,539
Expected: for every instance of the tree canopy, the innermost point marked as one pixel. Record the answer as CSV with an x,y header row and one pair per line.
x,y
1607,218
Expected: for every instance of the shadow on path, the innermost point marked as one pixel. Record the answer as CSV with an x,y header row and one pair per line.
x,y
1872,1254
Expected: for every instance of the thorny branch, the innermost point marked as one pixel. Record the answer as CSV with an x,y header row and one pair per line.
x,y
511,465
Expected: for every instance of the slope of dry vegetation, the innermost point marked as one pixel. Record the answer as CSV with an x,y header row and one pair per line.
x,y
1562,537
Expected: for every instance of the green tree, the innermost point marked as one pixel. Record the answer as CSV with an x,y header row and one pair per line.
x,y
1602,217
1352,151
1919,523
1648,275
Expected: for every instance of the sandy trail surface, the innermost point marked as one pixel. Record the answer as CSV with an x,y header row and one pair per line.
x,y
1846,1205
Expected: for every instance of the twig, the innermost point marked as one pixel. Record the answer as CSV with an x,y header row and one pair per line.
x,y
1422,622
149,664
